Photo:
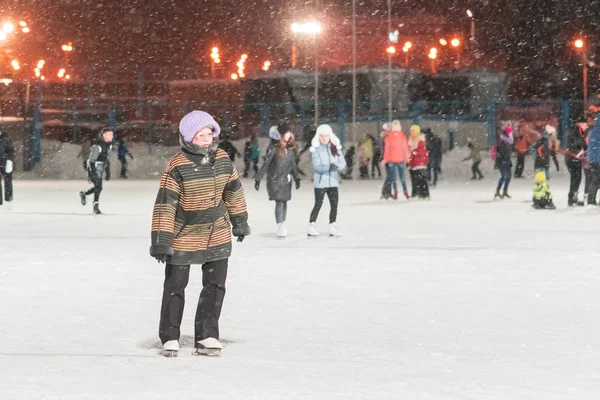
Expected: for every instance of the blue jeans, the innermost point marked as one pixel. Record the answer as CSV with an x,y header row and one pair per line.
x,y
399,167
505,171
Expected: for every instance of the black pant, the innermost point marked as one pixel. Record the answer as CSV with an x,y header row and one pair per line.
x,y
476,171
375,165
210,303
553,154
595,183
588,180
247,167
574,168
333,196
520,165
280,211
420,186
8,186
123,167
97,181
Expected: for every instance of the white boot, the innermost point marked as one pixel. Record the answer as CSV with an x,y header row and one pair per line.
x,y
208,347
281,230
171,348
333,230
312,229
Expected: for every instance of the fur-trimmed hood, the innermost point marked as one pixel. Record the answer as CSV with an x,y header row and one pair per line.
x,y
333,139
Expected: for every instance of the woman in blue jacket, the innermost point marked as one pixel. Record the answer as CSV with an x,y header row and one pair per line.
x,y
328,162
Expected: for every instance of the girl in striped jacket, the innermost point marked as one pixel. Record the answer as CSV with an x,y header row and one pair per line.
x,y
199,201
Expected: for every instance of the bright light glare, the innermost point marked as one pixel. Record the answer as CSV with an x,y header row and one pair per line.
x,y
26,30
22,24
579,43
443,42
8,27
455,42
234,76
15,64
306,27
408,45
470,13
2,36
391,50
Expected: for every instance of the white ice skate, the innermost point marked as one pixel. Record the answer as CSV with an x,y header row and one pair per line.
x,y
312,230
281,230
333,230
171,348
208,347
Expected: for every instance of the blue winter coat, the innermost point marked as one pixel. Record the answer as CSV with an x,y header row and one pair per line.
x,y
593,151
322,158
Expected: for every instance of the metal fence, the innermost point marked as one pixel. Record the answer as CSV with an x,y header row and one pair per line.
x,y
155,122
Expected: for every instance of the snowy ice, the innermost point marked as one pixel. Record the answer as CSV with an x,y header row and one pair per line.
x,y
455,298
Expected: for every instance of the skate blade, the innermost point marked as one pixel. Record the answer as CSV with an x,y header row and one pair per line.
x,y
207,352
169,353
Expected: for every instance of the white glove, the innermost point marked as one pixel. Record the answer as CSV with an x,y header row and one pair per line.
x,y
9,166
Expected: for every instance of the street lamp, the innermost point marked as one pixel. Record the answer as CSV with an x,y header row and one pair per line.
x,y
580,46
433,53
312,28
266,65
215,58
456,44
8,27
443,42
391,50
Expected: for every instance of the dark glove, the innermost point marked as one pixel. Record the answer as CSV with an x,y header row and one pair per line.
x,y
241,238
333,167
297,184
161,258
257,185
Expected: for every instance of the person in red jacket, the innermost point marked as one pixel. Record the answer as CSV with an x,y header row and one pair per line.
x,y
395,156
419,159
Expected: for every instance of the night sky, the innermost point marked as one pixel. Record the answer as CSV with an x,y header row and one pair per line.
x,y
171,38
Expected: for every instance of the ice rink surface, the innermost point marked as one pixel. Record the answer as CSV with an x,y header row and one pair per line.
x,y
455,298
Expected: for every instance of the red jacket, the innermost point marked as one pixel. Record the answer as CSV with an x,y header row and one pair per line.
x,y
419,157
396,148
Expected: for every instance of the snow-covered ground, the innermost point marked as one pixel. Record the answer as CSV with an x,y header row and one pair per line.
x,y
455,298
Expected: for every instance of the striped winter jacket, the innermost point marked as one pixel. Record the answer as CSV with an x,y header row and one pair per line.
x,y
199,199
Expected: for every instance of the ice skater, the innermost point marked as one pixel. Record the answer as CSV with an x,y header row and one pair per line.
x,y
328,162
419,160
504,146
542,197
7,162
199,201
395,156
96,165
574,157
122,154
280,167
251,155
593,157
475,156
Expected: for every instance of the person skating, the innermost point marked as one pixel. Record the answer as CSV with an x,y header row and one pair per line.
x,y
350,154
226,145
419,160
553,144
542,154
395,156
377,156
542,197
503,163
475,156
251,155
434,147
96,165
122,153
200,204
328,162
280,168
574,156
593,157
521,149
7,163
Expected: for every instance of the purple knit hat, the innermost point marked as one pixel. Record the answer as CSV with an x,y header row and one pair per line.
x,y
191,123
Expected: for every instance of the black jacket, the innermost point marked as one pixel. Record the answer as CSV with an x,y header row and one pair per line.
x,y
230,149
542,154
98,159
7,150
575,145
503,152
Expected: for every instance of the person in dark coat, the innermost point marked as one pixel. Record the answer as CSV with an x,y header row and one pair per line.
x,y
7,163
122,154
377,155
593,157
97,163
350,154
251,155
200,204
434,147
226,145
542,155
574,157
280,167
504,147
